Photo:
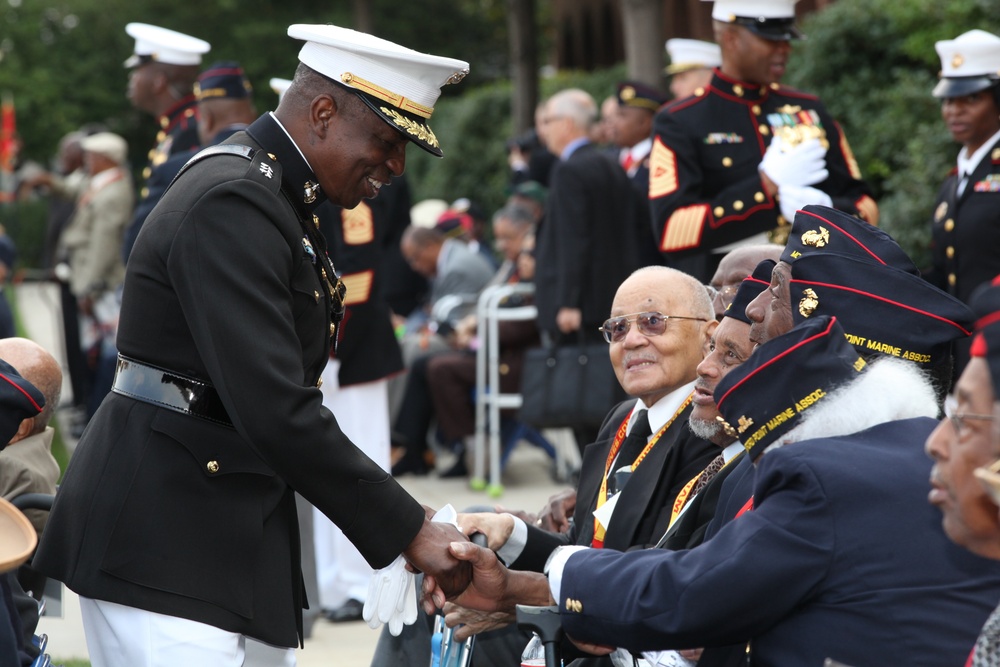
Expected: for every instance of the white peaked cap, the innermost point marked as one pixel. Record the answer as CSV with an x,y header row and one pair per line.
x,y
153,43
969,63
724,10
382,73
686,54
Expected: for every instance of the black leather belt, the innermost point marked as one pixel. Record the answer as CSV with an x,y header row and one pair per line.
x,y
170,390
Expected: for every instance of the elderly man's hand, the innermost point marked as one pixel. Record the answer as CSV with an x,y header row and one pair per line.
x,y
496,527
556,514
471,622
429,553
493,587
569,320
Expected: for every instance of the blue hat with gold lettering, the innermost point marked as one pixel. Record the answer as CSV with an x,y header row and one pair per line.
x,y
883,310
19,399
824,229
223,80
750,289
399,84
986,343
766,396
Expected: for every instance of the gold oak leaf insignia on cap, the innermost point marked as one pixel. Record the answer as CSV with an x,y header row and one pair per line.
x,y
411,127
816,239
808,303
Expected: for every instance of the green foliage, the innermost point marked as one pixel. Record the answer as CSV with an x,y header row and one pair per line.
x,y
873,63
25,222
473,130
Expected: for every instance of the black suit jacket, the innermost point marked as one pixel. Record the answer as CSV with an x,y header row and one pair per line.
x,y
643,510
590,240
182,516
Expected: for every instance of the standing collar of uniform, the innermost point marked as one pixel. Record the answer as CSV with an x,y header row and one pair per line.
x,y
967,165
573,146
661,411
295,170
185,107
739,91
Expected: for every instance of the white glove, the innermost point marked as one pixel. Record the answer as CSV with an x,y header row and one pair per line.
x,y
392,591
392,597
791,198
800,165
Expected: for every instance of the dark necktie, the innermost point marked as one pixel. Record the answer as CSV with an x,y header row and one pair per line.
x,y
632,446
987,651
710,471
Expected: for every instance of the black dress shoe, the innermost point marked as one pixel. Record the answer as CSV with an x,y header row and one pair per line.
x,y
345,613
459,469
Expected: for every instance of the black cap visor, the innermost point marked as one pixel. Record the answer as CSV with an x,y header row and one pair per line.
x,y
962,86
776,30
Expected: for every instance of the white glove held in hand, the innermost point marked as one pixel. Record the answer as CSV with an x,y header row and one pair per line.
x,y
802,165
392,597
392,591
791,198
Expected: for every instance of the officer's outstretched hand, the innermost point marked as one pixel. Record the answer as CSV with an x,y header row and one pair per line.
x,y
429,553
493,587
801,165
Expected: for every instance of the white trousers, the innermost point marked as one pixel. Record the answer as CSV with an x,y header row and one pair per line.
x,y
362,411
120,636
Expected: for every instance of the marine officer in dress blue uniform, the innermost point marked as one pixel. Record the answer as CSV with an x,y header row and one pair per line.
x,y
965,232
162,71
737,159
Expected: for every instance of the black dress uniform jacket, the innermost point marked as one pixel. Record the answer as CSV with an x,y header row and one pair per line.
x,y
643,510
966,230
179,515
705,190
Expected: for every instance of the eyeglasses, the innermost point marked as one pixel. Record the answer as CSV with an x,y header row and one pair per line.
x,y
989,477
958,420
648,324
725,294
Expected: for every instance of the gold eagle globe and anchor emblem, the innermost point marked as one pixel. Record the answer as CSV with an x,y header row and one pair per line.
x,y
808,303
817,239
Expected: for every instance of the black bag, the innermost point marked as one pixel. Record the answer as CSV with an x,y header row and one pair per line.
x,y
568,385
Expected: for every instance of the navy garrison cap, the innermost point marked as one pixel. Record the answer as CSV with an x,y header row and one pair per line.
x,y
824,229
765,397
750,289
640,96
883,310
19,399
986,305
223,80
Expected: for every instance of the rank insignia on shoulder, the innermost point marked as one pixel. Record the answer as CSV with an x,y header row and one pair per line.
x,y
266,170
308,248
716,138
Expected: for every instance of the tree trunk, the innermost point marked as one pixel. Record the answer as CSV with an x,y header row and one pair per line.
x,y
522,43
642,22
363,20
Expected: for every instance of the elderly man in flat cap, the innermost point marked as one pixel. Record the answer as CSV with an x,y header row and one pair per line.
x,y
176,520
